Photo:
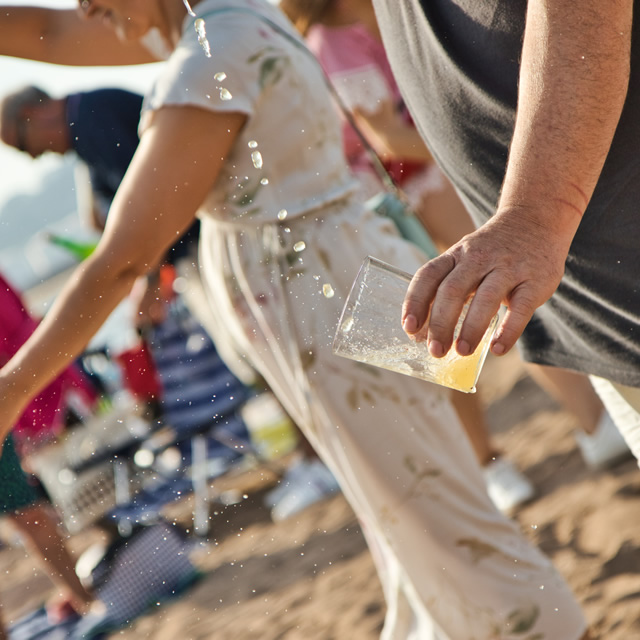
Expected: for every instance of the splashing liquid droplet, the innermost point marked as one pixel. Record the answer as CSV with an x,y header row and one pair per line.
x,y
282,214
225,94
202,36
347,325
328,291
252,144
264,181
299,246
220,76
188,8
256,158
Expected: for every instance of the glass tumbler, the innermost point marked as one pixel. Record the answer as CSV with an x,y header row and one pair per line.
x,y
370,331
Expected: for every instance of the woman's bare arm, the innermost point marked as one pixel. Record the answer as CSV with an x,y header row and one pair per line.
x,y
390,136
175,166
64,37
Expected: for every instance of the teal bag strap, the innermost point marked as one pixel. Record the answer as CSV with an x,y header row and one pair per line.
x,y
392,203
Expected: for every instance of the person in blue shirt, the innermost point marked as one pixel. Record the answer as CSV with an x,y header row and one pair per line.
x,y
99,126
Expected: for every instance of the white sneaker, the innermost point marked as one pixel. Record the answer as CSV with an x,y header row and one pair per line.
x,y
294,474
316,484
507,487
604,447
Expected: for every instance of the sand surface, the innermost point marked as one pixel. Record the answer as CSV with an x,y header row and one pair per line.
x,y
312,578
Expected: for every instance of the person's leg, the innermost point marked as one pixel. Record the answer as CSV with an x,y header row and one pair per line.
x,y
411,476
471,414
572,390
623,404
507,486
442,213
42,537
599,439
3,631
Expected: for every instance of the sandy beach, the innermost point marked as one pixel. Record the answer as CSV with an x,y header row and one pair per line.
x,y
311,577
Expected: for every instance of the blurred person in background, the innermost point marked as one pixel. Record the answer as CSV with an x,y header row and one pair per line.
x,y
41,421
100,128
38,527
44,417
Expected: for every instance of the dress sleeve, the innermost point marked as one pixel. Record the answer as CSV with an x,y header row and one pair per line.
x,y
231,80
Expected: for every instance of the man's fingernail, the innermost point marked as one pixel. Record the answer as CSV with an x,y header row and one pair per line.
x,y
498,349
410,324
435,349
462,348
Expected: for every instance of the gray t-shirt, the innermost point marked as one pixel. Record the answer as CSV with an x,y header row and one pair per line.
x,y
456,62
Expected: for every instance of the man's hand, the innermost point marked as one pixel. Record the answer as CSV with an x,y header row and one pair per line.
x,y
511,260
574,75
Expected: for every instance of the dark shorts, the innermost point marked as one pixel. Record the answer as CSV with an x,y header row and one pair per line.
x,y
15,490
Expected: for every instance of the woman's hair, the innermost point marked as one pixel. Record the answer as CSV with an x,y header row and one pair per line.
x,y
304,13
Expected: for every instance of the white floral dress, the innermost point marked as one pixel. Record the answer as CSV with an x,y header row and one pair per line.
x,y
276,229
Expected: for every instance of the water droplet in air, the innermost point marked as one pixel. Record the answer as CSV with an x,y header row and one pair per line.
x,y
225,94
202,36
188,8
252,144
282,214
264,181
256,158
328,291
299,246
220,76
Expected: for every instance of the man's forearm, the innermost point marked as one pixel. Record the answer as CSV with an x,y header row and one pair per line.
x,y
573,82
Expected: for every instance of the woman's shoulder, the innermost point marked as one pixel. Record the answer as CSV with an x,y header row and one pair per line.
x,y
246,57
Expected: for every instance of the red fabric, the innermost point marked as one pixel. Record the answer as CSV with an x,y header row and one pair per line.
x,y
139,372
44,414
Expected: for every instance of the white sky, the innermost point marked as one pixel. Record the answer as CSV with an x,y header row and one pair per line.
x,y
17,170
